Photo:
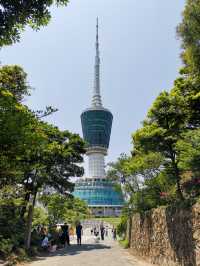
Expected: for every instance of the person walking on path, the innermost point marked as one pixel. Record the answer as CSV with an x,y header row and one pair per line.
x,y
114,232
106,231
79,233
102,229
65,234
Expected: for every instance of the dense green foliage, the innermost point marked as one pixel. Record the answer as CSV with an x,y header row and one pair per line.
x,y
162,129
15,15
189,149
164,167
62,208
122,226
34,157
37,157
189,32
40,217
11,226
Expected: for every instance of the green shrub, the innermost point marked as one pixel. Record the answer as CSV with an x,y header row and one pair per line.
x,y
21,253
40,217
124,243
6,246
122,226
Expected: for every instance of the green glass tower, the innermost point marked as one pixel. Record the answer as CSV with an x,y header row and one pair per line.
x,y
96,190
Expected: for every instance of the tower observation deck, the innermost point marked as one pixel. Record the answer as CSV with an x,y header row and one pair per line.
x,y
96,122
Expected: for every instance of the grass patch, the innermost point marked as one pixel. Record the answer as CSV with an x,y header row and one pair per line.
x,y
111,220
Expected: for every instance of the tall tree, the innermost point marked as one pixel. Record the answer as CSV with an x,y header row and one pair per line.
x,y
165,123
54,157
33,154
136,173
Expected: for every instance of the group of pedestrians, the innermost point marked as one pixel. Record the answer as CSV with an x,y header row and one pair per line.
x,y
103,231
60,236
65,237
57,236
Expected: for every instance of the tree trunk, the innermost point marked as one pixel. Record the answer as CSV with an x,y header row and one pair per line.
x,y
129,228
29,222
179,191
177,175
178,185
26,201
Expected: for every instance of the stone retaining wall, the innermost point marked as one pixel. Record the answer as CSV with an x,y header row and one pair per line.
x,y
167,236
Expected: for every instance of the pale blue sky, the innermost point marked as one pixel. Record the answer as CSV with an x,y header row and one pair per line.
x,y
139,58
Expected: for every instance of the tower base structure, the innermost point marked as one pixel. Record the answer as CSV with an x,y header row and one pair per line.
x,y
105,211
101,196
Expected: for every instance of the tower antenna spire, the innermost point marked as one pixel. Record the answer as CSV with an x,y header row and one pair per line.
x,y
97,31
96,98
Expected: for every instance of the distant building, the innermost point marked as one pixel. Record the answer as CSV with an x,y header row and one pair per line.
x,y
96,189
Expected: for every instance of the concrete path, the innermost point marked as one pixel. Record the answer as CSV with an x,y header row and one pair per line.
x,y
90,253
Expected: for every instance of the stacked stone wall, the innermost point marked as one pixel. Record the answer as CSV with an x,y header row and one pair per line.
x,y
167,236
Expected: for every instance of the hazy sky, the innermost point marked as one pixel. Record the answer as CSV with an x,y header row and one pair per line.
x,y
139,58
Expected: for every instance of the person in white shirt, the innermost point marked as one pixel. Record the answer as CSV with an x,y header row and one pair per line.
x,y
45,242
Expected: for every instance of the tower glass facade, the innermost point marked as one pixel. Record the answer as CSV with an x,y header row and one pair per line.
x,y
96,125
98,192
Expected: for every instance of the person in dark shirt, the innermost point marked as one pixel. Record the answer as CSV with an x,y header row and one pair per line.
x,y
65,234
79,233
102,229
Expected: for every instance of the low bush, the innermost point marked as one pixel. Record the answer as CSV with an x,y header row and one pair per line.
x,y
124,243
122,226
6,246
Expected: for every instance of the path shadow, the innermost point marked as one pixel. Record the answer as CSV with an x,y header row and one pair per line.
x,y
72,250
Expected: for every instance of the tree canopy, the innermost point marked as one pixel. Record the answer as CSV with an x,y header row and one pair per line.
x,y
189,32
165,153
16,15
62,208
34,155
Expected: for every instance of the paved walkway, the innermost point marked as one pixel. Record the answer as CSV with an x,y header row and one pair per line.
x,y
104,253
